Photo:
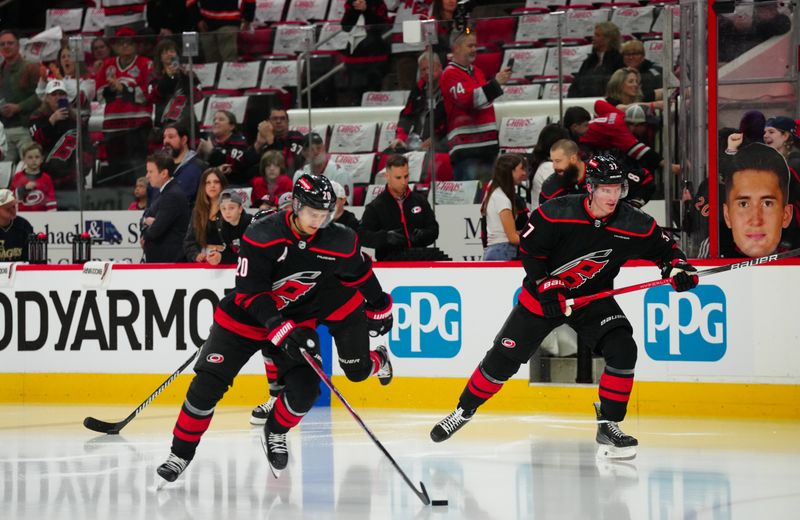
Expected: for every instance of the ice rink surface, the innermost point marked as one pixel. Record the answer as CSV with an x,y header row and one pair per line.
x,y
500,466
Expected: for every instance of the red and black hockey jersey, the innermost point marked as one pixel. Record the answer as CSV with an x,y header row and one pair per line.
x,y
608,132
129,108
280,273
564,240
471,123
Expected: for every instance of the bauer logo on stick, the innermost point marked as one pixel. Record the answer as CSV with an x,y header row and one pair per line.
x,y
427,322
686,326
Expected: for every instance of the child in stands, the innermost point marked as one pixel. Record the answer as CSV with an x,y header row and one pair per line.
x,y
33,187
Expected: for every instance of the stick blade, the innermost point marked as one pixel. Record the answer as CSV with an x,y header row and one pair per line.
x,y
424,494
96,425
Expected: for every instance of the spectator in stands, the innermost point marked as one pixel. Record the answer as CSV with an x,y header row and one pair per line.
x,y
164,223
594,73
53,126
471,123
608,133
500,207
32,186
367,56
576,121
18,80
189,166
541,165
139,195
226,149
650,74
752,127
443,11
218,22
14,230
343,216
413,127
272,179
122,85
318,163
202,234
274,134
398,218
623,88
101,51
170,87
168,17
64,69
231,228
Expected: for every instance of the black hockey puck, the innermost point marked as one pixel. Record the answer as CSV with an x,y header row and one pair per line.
x,y
438,502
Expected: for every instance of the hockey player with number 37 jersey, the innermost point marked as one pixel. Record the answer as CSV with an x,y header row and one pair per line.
x,y
574,246
295,269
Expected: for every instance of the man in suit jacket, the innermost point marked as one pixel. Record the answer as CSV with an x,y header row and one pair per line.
x,y
166,220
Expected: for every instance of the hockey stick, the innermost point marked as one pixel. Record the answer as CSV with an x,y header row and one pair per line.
x,y
423,495
581,300
114,428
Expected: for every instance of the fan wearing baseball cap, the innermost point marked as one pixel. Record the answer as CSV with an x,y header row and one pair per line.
x,y
14,230
122,86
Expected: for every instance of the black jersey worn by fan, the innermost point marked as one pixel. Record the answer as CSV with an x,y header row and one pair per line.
x,y
280,274
557,186
563,239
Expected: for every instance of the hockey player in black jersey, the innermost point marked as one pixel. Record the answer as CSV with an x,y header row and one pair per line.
x,y
574,246
570,177
291,268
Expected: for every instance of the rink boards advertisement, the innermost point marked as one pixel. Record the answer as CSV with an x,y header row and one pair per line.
x,y
737,327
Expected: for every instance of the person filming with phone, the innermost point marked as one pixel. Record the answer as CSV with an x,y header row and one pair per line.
x,y
54,126
169,87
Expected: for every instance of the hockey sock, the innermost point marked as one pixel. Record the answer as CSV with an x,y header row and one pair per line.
x,y
487,379
616,382
192,423
283,418
615,390
272,377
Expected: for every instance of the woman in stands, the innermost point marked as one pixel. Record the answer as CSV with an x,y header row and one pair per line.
x,y
272,180
624,88
501,205
101,51
226,149
203,235
64,68
169,88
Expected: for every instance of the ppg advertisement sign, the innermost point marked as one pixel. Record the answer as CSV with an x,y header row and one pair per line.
x,y
427,322
687,326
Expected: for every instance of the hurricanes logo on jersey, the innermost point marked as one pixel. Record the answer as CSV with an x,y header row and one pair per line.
x,y
575,272
292,288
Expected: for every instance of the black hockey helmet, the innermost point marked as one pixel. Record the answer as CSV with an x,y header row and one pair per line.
x,y
605,169
314,191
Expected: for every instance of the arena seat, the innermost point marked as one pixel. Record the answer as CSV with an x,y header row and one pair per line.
x,y
489,62
255,44
493,32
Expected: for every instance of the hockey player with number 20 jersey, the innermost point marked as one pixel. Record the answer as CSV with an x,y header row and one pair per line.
x,y
574,246
291,269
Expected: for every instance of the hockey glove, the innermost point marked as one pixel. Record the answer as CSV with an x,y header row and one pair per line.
x,y
552,296
290,339
683,274
379,316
